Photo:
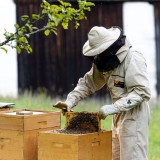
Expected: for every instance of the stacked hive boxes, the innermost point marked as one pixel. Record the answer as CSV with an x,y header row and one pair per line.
x,y
18,133
36,136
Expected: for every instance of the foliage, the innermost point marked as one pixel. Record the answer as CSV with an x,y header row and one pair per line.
x,y
56,15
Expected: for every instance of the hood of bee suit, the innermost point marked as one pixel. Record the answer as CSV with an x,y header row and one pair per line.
x,y
122,52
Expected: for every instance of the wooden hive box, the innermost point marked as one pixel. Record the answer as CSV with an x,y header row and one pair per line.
x,y
3,110
60,146
18,133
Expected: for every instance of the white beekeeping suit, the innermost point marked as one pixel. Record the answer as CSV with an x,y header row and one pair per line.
x,y
124,71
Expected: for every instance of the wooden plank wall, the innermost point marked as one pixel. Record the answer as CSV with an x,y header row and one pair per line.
x,y
157,36
57,62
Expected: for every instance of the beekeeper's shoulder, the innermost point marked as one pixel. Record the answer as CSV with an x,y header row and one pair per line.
x,y
134,55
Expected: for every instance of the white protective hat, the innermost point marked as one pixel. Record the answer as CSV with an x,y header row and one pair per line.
x,y
99,39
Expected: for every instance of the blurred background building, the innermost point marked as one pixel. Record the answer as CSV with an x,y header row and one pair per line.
x,y
57,61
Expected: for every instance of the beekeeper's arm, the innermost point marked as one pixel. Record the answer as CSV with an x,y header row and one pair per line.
x,y
136,81
91,82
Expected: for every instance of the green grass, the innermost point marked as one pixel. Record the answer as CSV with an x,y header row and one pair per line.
x,y
154,134
42,102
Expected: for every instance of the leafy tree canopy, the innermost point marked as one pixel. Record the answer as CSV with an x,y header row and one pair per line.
x,y
56,15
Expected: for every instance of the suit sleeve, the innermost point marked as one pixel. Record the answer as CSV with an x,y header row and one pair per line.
x,y
91,82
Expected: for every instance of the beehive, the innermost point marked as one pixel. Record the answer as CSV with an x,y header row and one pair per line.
x,y
18,133
83,121
82,139
60,146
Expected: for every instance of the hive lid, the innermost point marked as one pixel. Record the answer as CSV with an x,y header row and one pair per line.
x,y
6,105
24,112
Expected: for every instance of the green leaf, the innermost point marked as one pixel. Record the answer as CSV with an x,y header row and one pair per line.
x,y
22,40
67,4
44,11
16,26
24,17
20,33
76,25
90,4
46,32
29,27
28,48
50,24
18,49
4,49
61,2
36,17
65,25
46,3
87,8
54,31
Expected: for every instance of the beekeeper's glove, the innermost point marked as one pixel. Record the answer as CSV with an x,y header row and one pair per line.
x,y
64,106
107,110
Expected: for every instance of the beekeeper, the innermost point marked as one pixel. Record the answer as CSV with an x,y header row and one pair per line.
x,y
123,70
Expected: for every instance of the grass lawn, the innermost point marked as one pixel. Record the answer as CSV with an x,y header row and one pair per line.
x,y
42,102
154,134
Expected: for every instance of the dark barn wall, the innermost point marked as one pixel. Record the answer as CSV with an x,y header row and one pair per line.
x,y
57,61
157,34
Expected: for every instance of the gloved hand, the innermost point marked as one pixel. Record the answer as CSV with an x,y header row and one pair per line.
x,y
63,106
102,114
107,110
